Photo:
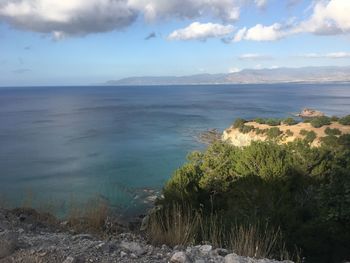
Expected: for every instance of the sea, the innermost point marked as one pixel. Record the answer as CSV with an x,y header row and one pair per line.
x,y
64,145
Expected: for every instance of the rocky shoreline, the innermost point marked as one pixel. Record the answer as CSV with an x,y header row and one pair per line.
x,y
29,237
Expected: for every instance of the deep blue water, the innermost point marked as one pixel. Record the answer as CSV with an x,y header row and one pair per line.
x,y
64,143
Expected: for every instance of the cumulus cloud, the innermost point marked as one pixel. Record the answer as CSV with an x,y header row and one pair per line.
x,y
199,31
254,56
333,55
328,18
67,17
226,10
261,33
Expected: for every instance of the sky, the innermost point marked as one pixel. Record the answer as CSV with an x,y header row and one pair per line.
x,y
80,42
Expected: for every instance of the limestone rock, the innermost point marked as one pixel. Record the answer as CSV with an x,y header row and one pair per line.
x,y
180,257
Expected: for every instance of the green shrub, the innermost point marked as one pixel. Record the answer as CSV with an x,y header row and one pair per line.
x,y
334,118
309,136
289,121
273,122
273,133
345,120
320,121
260,131
260,120
301,190
246,129
329,141
344,140
330,131
289,133
303,132
239,123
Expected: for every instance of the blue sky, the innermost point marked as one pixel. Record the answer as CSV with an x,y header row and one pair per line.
x,y
70,42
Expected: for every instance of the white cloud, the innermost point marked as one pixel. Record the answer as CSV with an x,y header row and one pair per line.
x,y
199,31
333,55
64,18
328,18
254,56
261,3
67,17
234,70
261,33
226,10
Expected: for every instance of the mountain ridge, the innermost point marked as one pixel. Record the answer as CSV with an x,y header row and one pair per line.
x,y
246,76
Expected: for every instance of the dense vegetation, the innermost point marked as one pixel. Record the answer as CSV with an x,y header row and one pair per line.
x,y
304,192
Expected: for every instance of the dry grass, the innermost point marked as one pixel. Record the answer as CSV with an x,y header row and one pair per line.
x,y
212,230
89,217
180,225
173,226
258,242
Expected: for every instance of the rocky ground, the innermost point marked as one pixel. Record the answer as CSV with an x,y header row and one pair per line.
x,y
26,236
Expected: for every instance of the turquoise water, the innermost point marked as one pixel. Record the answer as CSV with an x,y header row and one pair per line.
x,y
120,143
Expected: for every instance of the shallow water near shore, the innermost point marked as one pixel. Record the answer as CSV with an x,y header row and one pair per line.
x,y
121,144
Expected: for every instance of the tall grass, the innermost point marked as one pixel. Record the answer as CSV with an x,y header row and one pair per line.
x,y
182,225
175,225
89,217
253,240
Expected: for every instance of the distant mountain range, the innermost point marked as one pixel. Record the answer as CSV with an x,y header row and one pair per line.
x,y
248,76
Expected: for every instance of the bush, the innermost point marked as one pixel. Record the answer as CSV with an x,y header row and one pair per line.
x,y
330,131
344,140
303,132
289,121
300,190
273,122
289,133
260,131
345,120
273,133
318,122
260,120
334,118
309,136
239,123
246,129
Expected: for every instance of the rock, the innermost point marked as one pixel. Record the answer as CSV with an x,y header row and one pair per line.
x,y
123,254
133,247
180,257
69,260
179,248
205,249
233,258
310,113
144,223
83,236
221,251
8,244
